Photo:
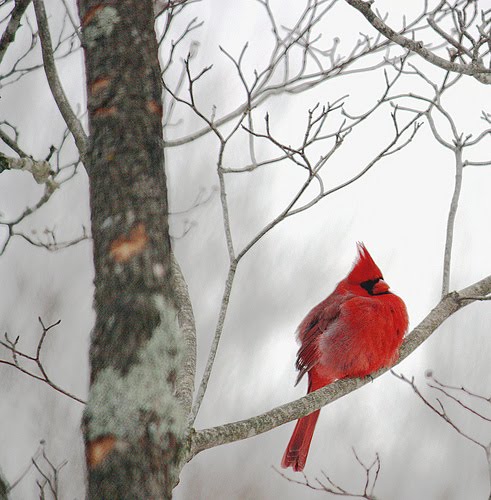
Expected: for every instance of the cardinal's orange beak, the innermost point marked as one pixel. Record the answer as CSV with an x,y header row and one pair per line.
x,y
380,287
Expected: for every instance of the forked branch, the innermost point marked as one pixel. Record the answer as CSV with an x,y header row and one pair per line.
x,y
40,374
475,67
456,395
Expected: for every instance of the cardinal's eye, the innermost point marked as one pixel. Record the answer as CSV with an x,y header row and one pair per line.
x,y
369,284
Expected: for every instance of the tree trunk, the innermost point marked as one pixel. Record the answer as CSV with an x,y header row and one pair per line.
x,y
133,422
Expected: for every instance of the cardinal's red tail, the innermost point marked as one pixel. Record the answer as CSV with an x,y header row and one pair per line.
x,y
298,448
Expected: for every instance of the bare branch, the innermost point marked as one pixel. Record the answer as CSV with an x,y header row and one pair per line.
x,y
276,77
441,412
223,200
26,470
451,220
73,22
441,388
445,389
214,346
456,44
185,379
57,91
475,68
8,35
51,243
50,478
429,374
456,144
11,143
52,176
40,170
488,297
331,487
11,345
290,210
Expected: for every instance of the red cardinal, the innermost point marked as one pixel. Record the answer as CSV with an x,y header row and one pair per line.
x,y
354,332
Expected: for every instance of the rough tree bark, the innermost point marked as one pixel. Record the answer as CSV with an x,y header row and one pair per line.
x,y
133,421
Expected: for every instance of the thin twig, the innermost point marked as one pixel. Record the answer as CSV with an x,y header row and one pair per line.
x,y
214,346
441,412
303,80
451,220
333,488
11,345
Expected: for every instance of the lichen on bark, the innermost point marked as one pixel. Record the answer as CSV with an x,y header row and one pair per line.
x,y
119,400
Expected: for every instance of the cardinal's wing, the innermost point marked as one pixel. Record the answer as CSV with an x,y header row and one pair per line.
x,y
310,331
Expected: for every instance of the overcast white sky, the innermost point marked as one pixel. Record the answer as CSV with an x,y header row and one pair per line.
x,y
398,209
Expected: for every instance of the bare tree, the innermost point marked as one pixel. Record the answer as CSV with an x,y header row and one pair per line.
x,y
140,83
